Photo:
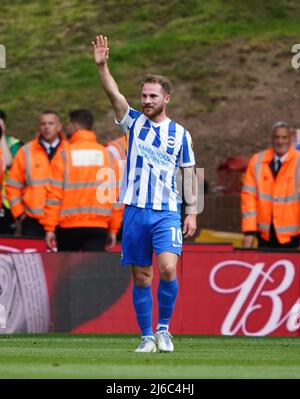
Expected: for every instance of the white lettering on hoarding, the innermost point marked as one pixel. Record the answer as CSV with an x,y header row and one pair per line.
x,y
7,249
3,316
248,293
293,322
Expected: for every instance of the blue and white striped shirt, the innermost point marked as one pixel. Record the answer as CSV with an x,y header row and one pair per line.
x,y
154,154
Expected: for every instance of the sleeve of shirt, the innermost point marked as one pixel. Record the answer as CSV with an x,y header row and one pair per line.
x,y
186,157
128,119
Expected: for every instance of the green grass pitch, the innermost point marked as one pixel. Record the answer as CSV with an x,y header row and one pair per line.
x,y
64,356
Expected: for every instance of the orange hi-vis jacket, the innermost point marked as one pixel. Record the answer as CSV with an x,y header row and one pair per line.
x,y
118,147
83,188
1,176
266,199
27,179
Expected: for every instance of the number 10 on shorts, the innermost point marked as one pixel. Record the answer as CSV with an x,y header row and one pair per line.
x,y
176,236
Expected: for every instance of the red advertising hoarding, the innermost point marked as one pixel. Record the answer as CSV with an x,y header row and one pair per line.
x,y
221,291
18,244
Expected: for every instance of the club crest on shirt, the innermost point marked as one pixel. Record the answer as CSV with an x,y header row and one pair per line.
x,y
171,142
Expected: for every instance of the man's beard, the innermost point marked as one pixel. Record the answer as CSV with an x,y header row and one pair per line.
x,y
153,112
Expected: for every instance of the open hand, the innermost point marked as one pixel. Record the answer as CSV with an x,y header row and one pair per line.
x,y
111,241
189,226
248,241
101,51
51,241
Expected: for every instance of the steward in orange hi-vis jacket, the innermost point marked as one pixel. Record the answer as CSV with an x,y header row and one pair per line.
x,y
29,174
118,147
270,198
83,192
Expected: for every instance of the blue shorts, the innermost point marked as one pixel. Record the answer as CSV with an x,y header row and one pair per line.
x,y
145,230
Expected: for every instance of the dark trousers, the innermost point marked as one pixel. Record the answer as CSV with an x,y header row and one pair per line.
x,y
119,235
274,243
32,227
92,239
7,222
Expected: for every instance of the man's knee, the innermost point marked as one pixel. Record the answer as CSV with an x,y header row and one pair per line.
x,y
167,263
142,276
167,271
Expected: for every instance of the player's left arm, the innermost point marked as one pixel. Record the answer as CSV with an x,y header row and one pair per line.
x,y
190,191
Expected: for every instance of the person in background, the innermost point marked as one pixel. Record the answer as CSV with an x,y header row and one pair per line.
x,y
118,148
29,174
7,221
270,201
81,211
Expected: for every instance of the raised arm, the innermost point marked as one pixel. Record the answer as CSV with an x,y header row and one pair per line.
x,y
101,56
